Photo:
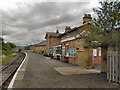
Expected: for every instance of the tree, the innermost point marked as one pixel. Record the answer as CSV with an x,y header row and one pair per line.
x,y
105,29
92,36
19,50
12,45
7,47
108,20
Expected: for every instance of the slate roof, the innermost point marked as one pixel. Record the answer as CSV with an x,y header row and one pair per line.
x,y
73,29
52,34
43,43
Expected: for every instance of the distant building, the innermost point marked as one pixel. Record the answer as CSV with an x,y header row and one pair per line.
x,y
39,46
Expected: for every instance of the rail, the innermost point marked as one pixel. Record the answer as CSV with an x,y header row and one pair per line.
x,y
9,69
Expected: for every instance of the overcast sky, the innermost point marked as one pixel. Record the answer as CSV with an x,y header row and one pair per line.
x,y
27,22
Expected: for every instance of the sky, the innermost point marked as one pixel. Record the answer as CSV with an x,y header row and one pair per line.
x,y
26,22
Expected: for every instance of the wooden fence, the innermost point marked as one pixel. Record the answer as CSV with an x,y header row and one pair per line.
x,y
113,66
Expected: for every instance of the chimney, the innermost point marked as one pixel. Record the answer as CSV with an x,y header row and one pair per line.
x,y
87,18
57,31
67,28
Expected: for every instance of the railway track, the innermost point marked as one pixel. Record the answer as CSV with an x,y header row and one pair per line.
x,y
9,69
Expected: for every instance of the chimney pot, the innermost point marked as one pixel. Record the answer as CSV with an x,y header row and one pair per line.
x,y
57,31
67,28
87,18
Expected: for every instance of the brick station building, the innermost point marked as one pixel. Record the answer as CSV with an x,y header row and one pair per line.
x,y
69,46
40,46
53,44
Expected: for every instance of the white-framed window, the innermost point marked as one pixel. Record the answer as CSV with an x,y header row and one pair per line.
x,y
51,50
58,50
67,50
95,52
72,52
63,52
99,51
63,47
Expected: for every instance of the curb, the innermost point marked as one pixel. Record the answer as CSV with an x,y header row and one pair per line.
x,y
15,75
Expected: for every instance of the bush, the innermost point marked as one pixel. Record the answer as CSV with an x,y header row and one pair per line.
x,y
38,51
7,47
19,50
33,51
6,52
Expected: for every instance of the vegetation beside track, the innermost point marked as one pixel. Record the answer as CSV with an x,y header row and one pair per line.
x,y
6,53
8,58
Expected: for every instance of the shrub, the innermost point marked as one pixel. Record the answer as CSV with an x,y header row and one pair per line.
x,y
38,51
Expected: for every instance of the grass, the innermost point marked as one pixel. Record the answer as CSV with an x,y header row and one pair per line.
x,y
8,58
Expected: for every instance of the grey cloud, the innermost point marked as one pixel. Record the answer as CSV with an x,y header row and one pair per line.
x,y
29,23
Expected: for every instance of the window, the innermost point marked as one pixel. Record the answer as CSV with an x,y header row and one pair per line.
x,y
51,50
72,52
67,50
58,50
63,52
99,51
95,52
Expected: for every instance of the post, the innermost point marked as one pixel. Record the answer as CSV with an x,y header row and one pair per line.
x,y
116,67
119,65
110,68
113,67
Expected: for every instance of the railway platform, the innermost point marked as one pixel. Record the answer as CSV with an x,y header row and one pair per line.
x,y
38,71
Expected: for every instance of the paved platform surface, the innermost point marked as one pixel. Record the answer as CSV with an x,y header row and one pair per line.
x,y
74,70
38,72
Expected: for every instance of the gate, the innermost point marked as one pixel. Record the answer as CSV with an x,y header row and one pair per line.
x,y
113,66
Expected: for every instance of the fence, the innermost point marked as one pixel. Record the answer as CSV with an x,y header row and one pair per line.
x,y
113,66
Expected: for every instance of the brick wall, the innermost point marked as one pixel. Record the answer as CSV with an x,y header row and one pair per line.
x,y
43,47
51,41
97,60
54,41
38,48
72,60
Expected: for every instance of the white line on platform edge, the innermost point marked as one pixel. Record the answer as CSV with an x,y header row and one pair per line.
x,y
15,75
